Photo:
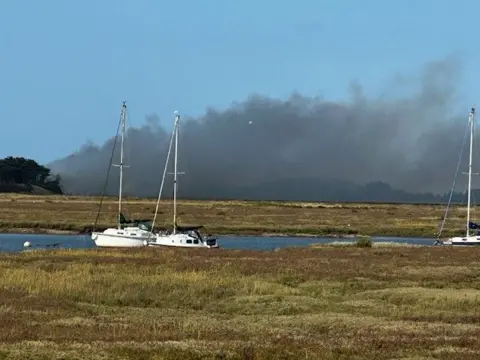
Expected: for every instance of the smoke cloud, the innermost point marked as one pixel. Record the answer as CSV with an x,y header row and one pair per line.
x,y
409,137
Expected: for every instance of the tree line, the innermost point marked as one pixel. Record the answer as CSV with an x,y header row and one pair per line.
x,y
18,174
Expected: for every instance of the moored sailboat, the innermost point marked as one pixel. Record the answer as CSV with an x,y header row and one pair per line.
x,y
181,236
470,238
123,235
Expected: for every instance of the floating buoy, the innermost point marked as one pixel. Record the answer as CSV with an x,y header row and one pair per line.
x,y
27,244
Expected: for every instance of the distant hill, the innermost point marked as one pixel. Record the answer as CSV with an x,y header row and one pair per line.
x,y
20,175
79,177
25,189
295,189
318,190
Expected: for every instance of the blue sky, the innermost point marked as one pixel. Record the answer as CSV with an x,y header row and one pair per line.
x,y
66,66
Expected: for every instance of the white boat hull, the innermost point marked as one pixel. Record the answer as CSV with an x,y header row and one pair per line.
x,y
462,241
182,240
129,237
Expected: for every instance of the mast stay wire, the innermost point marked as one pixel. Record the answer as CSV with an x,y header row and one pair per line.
x,y
164,174
108,173
454,182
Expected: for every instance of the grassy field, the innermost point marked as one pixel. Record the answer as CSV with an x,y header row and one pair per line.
x,y
313,303
61,213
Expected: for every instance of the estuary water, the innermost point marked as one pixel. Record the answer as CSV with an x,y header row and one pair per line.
x,y
14,242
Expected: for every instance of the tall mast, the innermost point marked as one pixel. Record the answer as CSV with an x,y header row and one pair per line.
x,y
177,119
472,127
124,113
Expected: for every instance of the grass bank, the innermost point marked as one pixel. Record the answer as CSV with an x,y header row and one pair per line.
x,y
23,213
308,303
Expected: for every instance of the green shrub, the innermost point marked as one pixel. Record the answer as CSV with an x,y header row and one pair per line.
x,y
364,242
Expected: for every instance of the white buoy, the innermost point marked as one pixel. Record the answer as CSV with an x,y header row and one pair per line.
x,y
250,121
27,244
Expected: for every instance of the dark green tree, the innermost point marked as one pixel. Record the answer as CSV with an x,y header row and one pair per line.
x,y
19,171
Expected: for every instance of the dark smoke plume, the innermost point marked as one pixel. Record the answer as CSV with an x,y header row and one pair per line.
x,y
301,147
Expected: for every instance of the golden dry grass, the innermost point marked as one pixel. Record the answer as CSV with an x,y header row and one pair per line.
x,y
69,213
311,303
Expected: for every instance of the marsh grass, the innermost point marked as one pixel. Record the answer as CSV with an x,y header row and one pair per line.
x,y
323,302
77,214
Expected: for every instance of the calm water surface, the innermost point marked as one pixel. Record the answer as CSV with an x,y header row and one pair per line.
x,y
14,242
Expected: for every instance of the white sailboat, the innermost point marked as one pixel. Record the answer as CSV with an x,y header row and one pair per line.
x,y
181,236
122,236
469,239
